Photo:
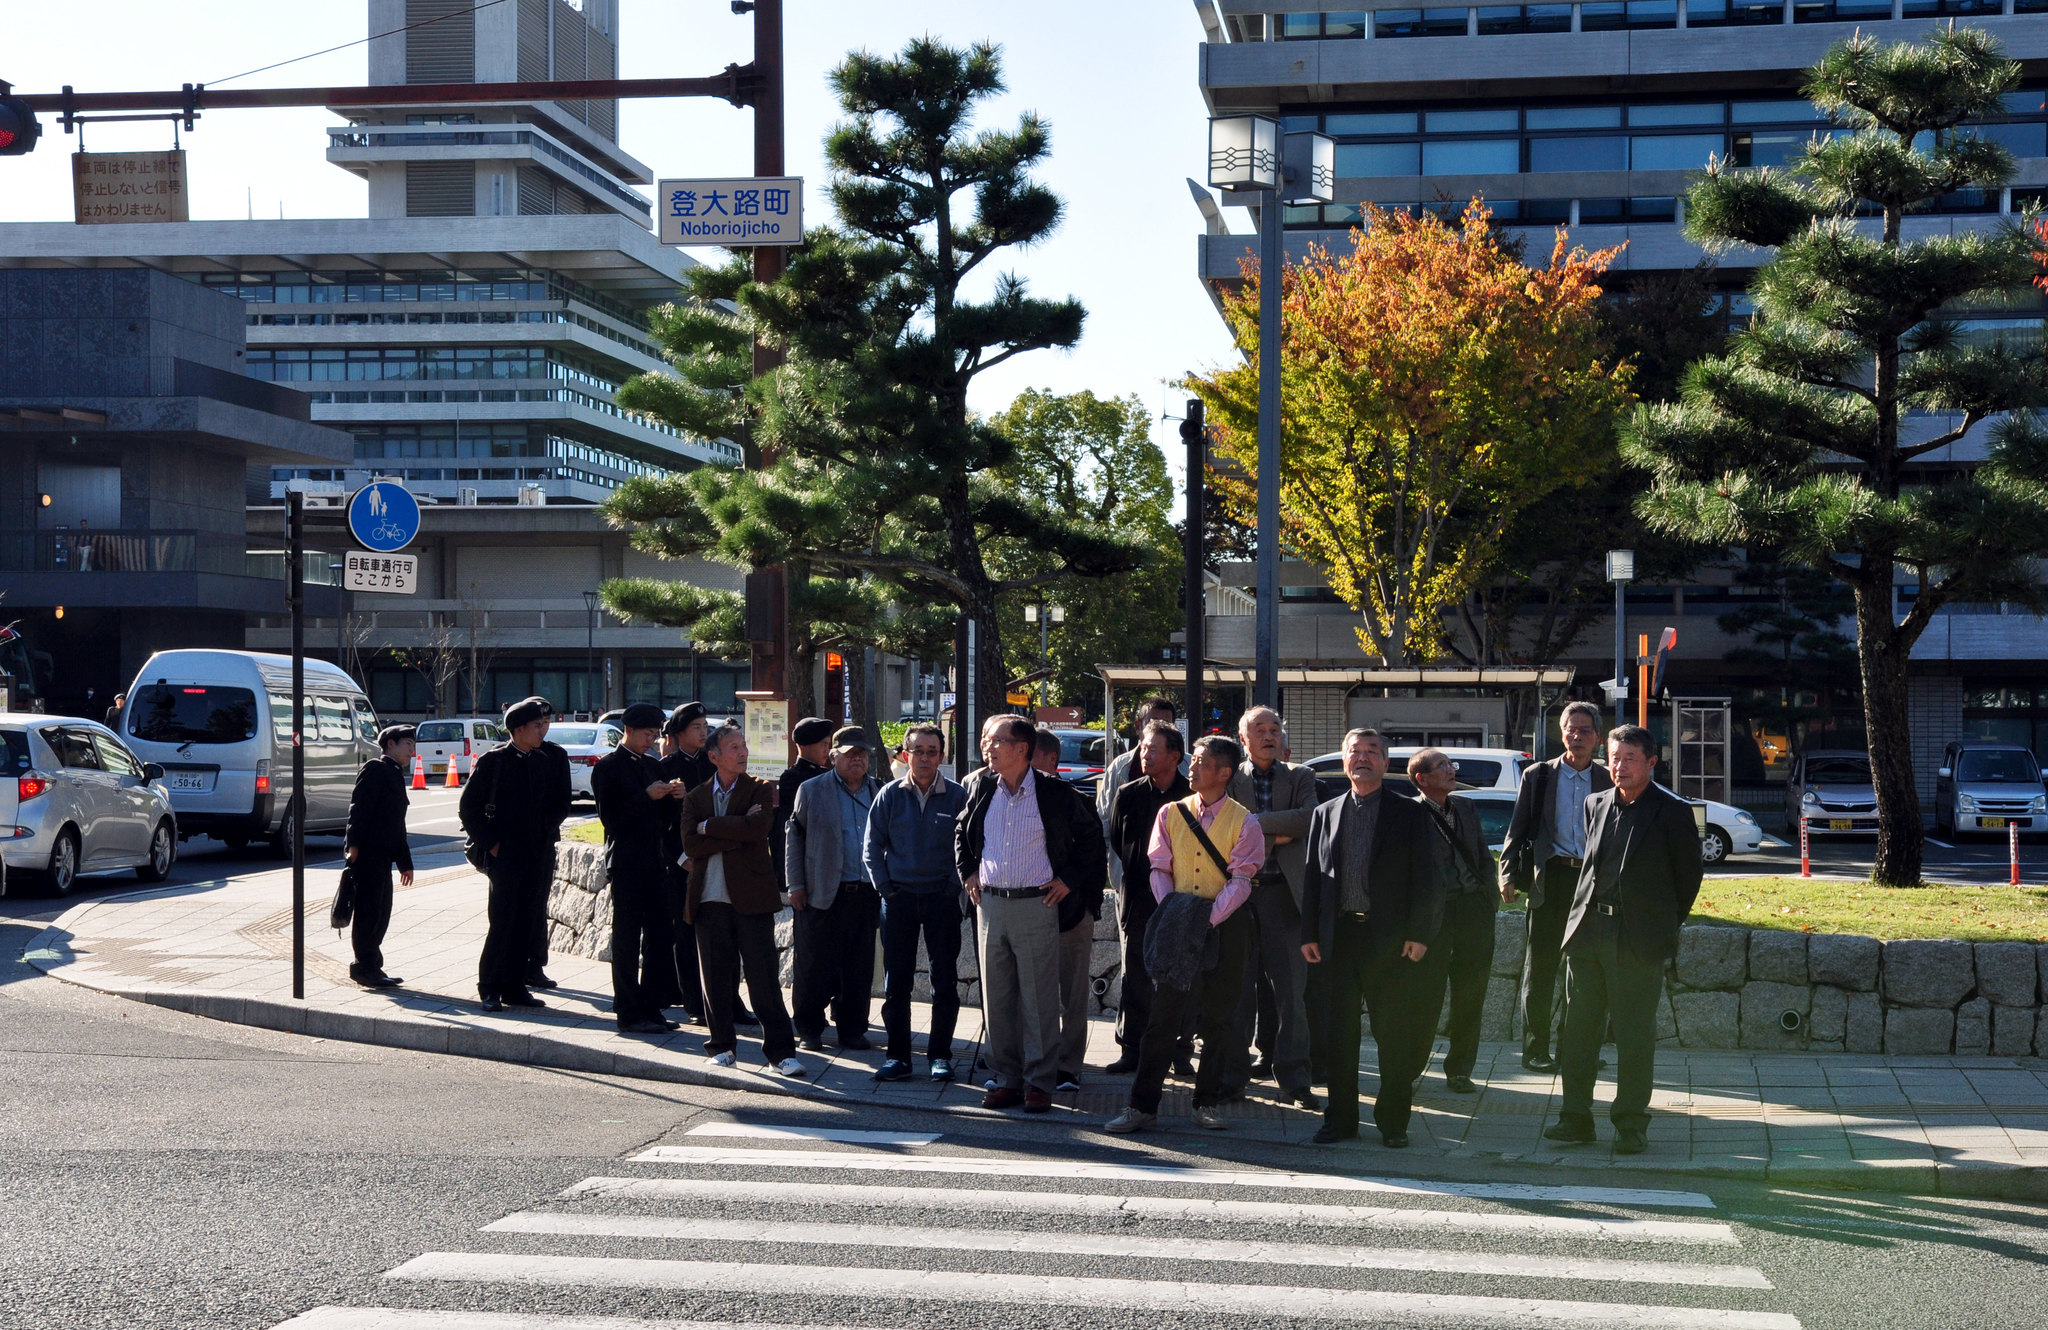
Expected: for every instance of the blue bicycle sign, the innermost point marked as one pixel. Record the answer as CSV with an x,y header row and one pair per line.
x,y
383,517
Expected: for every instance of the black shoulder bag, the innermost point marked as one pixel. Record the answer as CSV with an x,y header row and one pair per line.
x,y
479,854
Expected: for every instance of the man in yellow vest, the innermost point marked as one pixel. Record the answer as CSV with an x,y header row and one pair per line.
x,y
1206,847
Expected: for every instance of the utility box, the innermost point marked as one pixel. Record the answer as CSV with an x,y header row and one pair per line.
x,y
1701,756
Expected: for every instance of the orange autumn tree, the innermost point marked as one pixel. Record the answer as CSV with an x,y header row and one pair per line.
x,y
1432,387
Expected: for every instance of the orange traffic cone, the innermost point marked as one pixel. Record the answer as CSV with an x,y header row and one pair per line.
x,y
454,780
419,772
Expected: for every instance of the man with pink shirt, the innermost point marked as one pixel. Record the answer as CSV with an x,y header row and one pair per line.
x,y
1208,847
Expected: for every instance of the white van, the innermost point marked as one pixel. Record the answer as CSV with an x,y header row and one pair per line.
x,y
220,725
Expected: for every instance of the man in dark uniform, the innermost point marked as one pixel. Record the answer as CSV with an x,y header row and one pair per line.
x,y
813,736
1133,810
513,806
635,802
1641,876
375,840
682,761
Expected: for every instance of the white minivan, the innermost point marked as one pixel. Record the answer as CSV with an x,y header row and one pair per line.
x,y
220,725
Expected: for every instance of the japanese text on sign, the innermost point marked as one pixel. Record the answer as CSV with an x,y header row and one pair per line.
x,y
392,574
129,187
765,211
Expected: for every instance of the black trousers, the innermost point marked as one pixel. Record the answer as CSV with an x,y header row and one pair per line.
x,y
373,915
1605,980
1386,982
1461,959
1545,952
1216,1020
1134,1008
640,947
676,982
515,945
835,961
934,915
730,944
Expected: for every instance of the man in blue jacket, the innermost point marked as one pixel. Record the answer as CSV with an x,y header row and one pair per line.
x,y
910,860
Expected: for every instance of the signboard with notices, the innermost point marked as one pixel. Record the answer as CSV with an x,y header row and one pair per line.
x,y
129,187
767,210
767,737
392,574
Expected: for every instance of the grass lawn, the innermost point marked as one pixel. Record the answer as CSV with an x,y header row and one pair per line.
x,y
590,833
1974,914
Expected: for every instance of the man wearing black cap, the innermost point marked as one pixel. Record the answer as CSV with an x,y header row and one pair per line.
x,y
679,983
513,806
813,736
837,912
635,802
375,840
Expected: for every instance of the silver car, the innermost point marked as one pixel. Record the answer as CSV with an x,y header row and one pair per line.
x,y
1831,788
75,800
1988,787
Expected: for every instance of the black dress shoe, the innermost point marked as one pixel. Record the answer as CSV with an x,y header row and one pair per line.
x,y
1630,1142
1305,1097
1394,1140
1331,1135
1539,1062
1262,1070
855,1043
668,1024
490,1002
811,1043
644,1026
521,998
1571,1133
538,980
1460,1085
1123,1066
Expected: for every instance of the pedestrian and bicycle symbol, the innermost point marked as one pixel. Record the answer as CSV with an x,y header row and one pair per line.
x,y
383,516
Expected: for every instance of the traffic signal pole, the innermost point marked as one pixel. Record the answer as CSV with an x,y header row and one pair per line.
x,y
1193,435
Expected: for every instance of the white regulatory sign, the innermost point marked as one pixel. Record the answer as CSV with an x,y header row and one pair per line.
x,y
392,574
765,210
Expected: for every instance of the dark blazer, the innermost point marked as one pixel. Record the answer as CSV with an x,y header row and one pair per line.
x,y
1133,811
376,814
1073,840
787,784
529,791
1407,896
692,771
1528,841
740,837
1660,872
633,823
1467,841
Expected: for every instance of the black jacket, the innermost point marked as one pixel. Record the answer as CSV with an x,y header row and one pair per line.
x,y
1660,872
633,823
1528,846
1073,840
1133,810
793,776
692,771
376,815
1406,895
528,791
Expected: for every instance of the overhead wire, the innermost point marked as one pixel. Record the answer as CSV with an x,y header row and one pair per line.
x,y
438,18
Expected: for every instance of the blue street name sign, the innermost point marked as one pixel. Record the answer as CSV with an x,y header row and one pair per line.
x,y
383,517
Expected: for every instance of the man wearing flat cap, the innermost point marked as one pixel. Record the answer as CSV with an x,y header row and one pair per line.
x,y
513,806
635,802
375,840
837,910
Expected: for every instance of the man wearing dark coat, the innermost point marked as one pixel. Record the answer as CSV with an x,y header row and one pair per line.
x,y
513,806
635,802
375,841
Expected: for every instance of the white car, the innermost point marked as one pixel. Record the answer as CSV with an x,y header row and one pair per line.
x,y
74,800
1477,768
585,742
1729,830
464,738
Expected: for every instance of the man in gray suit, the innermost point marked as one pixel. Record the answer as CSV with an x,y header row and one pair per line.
x,y
837,911
1284,797
1462,958
1546,847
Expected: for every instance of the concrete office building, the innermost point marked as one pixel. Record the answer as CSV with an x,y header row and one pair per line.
x,y
1592,116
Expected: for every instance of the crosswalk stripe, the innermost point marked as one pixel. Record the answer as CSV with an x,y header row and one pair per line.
x,y
1206,1177
1689,1232
1263,1300
412,1318
844,1136
1119,1245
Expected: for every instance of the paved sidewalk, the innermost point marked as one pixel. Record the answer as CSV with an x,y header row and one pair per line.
x,y
1975,1126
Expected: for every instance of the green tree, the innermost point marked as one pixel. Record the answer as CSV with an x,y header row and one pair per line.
x,y
1796,439
1089,460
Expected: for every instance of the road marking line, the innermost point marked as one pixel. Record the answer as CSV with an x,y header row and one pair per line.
x,y
1252,1300
407,1318
1188,1209
844,1135
1205,1177
1119,1245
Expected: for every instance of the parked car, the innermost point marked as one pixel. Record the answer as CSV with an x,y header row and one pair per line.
x,y
1477,768
1081,757
1831,787
464,738
1988,787
220,725
1727,829
585,742
75,800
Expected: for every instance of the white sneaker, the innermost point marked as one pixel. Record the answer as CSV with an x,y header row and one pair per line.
x,y
791,1067
725,1059
1130,1120
990,1083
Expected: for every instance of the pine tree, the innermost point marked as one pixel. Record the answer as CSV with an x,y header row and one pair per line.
x,y
1800,437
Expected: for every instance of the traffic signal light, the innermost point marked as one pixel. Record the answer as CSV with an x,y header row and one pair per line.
x,y
18,128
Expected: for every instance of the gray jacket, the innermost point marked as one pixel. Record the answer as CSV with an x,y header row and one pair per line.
x,y
1294,802
812,844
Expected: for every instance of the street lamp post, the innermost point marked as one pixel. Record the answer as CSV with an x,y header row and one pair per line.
x,y
1621,570
1249,154
590,651
1044,615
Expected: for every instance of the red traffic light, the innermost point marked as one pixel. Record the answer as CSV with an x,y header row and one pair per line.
x,y
18,128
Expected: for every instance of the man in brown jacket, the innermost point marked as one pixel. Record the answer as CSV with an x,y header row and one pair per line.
x,y
733,901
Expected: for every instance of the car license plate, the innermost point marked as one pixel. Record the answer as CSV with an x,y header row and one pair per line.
x,y
189,780
1991,823
1840,824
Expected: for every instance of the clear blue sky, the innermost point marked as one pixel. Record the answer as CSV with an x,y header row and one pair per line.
x,y
1116,80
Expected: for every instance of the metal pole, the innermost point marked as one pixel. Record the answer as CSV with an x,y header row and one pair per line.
x,y
1620,647
1192,431
1267,690
589,654
295,807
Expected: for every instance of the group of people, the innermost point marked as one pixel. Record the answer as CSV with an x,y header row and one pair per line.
x,y
1255,916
